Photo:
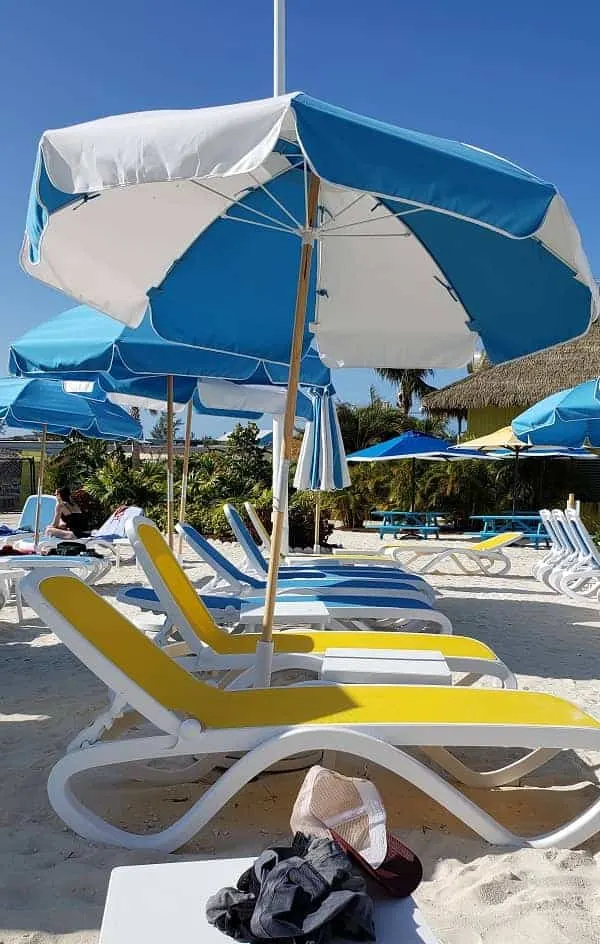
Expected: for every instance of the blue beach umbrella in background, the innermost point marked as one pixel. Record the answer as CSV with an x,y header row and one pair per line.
x,y
567,418
46,406
424,245
412,445
322,465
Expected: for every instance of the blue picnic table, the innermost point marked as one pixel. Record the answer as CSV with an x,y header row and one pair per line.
x,y
396,522
530,524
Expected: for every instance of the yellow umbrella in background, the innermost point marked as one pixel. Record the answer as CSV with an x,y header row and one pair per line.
x,y
503,442
502,439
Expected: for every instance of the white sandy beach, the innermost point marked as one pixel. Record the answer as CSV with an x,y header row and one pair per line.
x,y
53,884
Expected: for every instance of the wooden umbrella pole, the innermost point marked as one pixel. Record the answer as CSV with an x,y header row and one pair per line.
x,y
317,542
170,460
288,419
40,487
186,466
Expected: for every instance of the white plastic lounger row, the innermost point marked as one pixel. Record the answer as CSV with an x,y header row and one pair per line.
x,y
572,565
213,648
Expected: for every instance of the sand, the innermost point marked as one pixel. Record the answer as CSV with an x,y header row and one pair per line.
x,y
53,884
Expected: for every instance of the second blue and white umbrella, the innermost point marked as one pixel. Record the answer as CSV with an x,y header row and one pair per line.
x,y
322,465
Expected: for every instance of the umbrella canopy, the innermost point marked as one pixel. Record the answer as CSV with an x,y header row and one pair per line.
x,y
503,443
500,439
408,445
411,445
322,465
567,418
82,343
407,223
39,404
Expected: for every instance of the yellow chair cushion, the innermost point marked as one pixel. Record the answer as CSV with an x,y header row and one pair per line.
x,y
171,685
499,540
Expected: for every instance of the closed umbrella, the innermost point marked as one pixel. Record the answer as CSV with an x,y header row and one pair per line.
x,y
205,220
322,463
46,406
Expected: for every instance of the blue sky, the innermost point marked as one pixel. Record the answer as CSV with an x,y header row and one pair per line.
x,y
517,78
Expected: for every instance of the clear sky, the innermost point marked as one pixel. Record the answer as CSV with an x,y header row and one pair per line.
x,y
520,78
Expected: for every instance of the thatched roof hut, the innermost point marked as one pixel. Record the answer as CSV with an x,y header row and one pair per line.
x,y
516,385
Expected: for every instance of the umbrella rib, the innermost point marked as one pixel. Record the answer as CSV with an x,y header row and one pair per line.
x,y
348,206
375,219
278,228
366,235
233,203
278,203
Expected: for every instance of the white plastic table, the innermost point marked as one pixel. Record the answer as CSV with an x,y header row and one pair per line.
x,y
159,904
385,667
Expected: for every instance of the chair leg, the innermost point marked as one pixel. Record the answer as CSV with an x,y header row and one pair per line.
x,y
270,751
489,778
18,599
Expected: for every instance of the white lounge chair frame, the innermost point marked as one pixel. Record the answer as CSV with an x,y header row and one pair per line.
x,y
489,562
385,608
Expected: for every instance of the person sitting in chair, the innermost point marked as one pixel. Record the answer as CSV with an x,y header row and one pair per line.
x,y
69,520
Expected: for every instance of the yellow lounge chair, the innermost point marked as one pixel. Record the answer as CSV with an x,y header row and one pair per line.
x,y
487,556
218,649
267,725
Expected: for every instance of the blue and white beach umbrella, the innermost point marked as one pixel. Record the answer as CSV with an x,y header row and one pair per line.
x,y
567,418
136,367
46,406
322,465
424,243
205,220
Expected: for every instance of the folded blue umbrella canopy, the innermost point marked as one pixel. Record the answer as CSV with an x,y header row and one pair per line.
x,y
567,418
322,465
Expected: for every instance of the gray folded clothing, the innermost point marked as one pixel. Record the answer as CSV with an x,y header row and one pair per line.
x,y
309,892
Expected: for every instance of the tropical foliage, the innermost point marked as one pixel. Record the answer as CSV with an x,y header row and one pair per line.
x,y
158,433
240,470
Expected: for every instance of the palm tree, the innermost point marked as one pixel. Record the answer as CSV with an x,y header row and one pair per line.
x,y
364,426
410,384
